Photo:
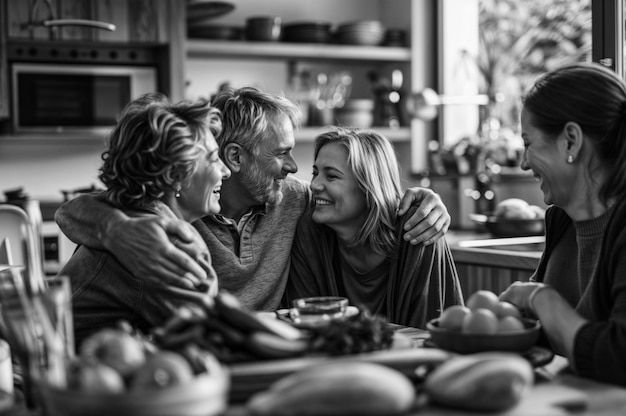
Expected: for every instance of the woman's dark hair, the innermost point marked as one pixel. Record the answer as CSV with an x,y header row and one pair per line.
x,y
155,147
594,97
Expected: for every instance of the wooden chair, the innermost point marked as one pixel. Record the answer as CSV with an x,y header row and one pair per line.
x,y
20,245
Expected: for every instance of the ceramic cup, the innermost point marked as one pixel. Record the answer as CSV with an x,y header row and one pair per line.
x,y
263,28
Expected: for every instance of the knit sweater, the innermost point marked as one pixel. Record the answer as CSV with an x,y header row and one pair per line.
x,y
600,344
251,258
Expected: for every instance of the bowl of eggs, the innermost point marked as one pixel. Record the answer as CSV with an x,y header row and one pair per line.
x,y
485,324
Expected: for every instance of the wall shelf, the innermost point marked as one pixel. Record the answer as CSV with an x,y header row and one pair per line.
x,y
396,135
202,48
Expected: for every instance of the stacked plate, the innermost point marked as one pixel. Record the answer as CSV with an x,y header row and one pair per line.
x,y
395,37
307,32
363,32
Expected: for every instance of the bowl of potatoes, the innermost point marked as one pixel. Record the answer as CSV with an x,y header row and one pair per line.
x,y
512,217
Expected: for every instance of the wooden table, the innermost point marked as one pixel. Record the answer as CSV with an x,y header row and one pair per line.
x,y
554,393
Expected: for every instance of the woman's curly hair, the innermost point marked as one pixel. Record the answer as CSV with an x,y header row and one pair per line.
x,y
154,148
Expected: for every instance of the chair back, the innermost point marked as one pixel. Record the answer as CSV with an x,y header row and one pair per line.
x,y
21,244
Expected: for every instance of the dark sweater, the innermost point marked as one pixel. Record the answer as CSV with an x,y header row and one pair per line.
x,y
410,288
600,345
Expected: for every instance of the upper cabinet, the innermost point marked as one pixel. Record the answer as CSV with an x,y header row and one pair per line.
x,y
4,82
89,20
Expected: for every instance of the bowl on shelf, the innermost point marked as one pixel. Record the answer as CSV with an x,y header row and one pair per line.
x,y
463,343
205,395
363,32
356,113
509,227
263,28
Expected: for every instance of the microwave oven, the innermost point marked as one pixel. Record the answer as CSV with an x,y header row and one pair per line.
x,y
74,98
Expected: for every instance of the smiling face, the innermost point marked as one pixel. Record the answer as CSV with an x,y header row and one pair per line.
x,y
546,156
201,194
339,202
272,161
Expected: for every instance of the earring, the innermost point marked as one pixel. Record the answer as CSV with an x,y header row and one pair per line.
x,y
570,159
177,193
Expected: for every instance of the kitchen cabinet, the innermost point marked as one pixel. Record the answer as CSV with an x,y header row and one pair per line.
x,y
4,83
135,21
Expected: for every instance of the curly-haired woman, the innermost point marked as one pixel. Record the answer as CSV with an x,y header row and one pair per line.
x,y
162,158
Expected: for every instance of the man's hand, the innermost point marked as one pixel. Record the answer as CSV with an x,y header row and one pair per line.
x,y
431,219
149,247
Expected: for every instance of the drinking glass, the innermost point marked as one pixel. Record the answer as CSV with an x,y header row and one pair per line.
x,y
57,298
318,309
18,327
38,327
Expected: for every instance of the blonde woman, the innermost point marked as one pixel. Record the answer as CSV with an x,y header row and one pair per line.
x,y
350,242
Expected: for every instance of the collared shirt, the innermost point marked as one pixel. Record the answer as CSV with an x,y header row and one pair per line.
x,y
252,257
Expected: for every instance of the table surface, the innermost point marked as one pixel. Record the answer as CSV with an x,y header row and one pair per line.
x,y
555,392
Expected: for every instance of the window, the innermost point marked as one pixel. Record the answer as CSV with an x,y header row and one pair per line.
x,y
498,48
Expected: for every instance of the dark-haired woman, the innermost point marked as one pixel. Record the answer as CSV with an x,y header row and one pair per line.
x,y
574,131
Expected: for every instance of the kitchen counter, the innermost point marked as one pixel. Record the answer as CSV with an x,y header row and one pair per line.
x,y
484,262
522,253
556,391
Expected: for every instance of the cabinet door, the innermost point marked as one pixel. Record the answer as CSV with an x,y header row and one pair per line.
x,y
4,68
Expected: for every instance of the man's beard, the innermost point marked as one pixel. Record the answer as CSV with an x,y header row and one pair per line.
x,y
261,186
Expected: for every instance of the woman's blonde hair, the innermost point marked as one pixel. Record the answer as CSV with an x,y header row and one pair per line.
x,y
154,148
372,159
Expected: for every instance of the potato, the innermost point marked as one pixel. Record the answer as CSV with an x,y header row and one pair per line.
x,y
514,208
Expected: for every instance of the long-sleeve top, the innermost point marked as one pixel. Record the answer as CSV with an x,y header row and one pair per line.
x,y
105,292
410,288
600,345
